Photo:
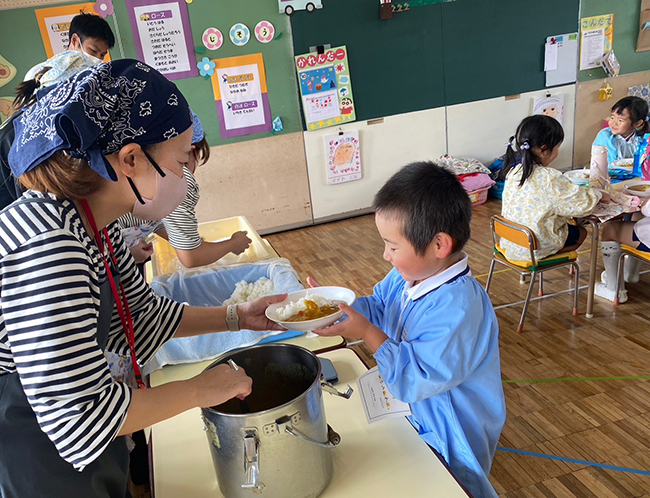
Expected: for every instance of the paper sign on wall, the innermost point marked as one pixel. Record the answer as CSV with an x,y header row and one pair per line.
x,y
596,38
561,59
325,88
343,157
239,86
163,38
551,105
54,24
643,40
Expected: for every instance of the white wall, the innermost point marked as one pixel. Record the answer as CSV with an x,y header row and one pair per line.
x,y
385,148
264,180
480,129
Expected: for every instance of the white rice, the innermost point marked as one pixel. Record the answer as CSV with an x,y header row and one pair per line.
x,y
292,308
245,291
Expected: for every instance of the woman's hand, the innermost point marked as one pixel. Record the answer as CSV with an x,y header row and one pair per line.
x,y
239,242
219,384
312,283
252,317
142,251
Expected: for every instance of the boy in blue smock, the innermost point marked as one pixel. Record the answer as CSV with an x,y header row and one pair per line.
x,y
431,325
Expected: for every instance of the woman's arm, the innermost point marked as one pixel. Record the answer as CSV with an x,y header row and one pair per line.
x,y
210,388
197,321
209,252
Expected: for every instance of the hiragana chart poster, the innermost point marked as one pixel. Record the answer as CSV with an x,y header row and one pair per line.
x,y
239,85
162,35
325,88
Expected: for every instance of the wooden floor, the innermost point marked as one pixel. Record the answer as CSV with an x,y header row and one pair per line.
x,y
601,421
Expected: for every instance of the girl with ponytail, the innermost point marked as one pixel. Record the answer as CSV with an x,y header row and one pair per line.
x,y
539,197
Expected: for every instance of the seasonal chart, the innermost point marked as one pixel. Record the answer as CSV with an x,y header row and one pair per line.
x,y
325,88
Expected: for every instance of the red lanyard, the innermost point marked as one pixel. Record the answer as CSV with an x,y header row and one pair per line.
x,y
120,298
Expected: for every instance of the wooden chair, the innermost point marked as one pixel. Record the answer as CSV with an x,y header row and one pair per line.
x,y
628,252
524,236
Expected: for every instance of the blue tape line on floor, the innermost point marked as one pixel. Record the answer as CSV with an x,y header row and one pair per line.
x,y
573,460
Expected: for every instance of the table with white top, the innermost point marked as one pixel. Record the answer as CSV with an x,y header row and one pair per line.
x,y
385,459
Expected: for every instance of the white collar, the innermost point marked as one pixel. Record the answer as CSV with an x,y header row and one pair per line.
x,y
414,292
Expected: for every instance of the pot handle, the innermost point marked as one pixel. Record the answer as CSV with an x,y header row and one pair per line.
x,y
333,439
251,461
329,388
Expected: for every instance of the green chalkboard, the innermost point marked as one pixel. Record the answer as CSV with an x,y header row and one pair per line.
x,y
21,44
395,65
496,47
442,54
626,31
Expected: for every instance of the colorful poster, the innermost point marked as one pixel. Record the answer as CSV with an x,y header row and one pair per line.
x,y
163,38
343,157
596,39
239,85
325,88
54,24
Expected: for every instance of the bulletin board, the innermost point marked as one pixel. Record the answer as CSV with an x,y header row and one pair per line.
x,y
20,46
441,54
626,31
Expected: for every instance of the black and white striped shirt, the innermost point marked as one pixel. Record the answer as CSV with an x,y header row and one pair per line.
x,y
49,306
182,226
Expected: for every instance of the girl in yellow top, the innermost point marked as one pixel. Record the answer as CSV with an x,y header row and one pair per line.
x,y
542,198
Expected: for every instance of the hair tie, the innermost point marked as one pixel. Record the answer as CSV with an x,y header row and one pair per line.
x,y
524,146
509,144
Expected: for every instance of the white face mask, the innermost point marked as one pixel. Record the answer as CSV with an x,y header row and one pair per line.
x,y
91,60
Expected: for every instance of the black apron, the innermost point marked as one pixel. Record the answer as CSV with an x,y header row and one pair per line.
x,y
31,467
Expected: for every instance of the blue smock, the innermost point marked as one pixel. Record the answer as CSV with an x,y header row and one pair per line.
x,y
617,146
442,357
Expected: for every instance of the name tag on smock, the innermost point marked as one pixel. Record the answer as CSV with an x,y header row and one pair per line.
x,y
378,403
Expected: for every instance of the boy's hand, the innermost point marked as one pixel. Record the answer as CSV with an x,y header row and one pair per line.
x,y
356,326
312,283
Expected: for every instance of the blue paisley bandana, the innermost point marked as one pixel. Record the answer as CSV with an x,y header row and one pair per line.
x,y
98,111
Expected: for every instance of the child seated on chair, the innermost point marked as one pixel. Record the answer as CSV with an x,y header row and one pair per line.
x,y
634,233
542,198
431,326
627,125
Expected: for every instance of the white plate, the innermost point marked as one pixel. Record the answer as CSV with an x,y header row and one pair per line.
x,y
578,176
638,193
339,294
625,164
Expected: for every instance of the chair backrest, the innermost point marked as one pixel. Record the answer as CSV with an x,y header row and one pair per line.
x,y
513,232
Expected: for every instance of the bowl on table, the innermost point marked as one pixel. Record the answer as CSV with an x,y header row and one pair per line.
x,y
625,164
640,188
336,295
578,176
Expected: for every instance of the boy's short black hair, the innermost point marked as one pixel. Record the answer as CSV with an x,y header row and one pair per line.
x,y
86,25
429,200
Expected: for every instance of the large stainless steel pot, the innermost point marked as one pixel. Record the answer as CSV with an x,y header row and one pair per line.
x,y
277,442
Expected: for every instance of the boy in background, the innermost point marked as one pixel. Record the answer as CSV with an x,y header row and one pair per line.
x,y
431,325
90,35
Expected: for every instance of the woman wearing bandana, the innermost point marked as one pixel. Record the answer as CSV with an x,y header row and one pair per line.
x,y
109,141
